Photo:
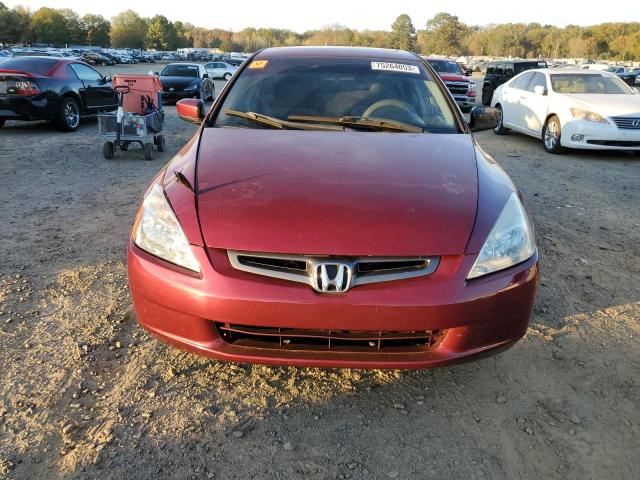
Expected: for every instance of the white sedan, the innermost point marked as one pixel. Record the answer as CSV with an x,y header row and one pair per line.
x,y
570,108
220,70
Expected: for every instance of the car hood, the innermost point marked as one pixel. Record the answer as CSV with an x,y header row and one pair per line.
x,y
336,193
177,81
606,105
451,77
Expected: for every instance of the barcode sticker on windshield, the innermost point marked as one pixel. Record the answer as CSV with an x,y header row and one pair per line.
x,y
395,67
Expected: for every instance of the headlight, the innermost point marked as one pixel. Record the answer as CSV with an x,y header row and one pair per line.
x,y
510,241
159,233
580,114
193,86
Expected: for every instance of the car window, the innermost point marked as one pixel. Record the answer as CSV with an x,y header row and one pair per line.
x,y
339,87
490,70
209,66
446,66
538,80
594,83
39,66
180,70
508,69
522,81
86,73
499,70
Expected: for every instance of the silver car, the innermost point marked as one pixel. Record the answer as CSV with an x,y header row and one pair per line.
x,y
220,70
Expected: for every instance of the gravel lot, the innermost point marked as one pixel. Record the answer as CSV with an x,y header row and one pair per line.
x,y
85,393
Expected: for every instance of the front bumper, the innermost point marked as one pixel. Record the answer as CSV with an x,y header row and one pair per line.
x,y
599,136
178,95
478,318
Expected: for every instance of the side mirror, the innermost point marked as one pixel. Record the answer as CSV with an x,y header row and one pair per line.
x,y
539,90
484,118
468,73
156,74
107,79
206,75
190,110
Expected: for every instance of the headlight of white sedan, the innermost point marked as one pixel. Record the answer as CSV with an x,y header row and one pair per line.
x,y
159,232
580,114
510,241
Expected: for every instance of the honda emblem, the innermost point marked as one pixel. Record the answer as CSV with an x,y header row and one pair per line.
x,y
331,277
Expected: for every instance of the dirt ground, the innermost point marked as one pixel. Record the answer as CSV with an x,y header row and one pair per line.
x,y
86,394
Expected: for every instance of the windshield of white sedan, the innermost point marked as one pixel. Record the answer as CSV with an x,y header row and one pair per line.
x,y
588,83
311,93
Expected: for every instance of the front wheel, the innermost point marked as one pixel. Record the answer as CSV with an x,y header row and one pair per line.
x,y
148,151
551,135
67,117
108,150
487,95
500,129
227,76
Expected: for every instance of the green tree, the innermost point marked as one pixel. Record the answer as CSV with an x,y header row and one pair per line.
x,y
443,35
128,29
160,34
73,25
9,27
96,30
49,26
403,34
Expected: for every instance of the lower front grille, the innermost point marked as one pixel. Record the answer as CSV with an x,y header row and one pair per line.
x,y
325,340
615,143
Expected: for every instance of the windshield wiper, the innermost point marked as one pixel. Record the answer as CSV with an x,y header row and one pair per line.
x,y
274,122
355,122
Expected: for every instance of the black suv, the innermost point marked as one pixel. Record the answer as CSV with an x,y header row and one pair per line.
x,y
501,71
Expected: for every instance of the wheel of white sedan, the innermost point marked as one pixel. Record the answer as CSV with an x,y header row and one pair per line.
x,y
551,135
500,129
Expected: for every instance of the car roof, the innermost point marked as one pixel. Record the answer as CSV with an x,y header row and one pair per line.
x,y
332,52
184,63
577,71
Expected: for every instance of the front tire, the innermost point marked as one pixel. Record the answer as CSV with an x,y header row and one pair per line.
x,y
227,76
552,135
500,129
148,151
487,95
67,117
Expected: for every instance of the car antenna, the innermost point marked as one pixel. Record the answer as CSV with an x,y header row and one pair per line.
x,y
182,180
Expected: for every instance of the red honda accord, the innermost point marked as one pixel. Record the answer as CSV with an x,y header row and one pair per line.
x,y
334,210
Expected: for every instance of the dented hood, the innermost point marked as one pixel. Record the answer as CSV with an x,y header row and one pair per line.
x,y
336,193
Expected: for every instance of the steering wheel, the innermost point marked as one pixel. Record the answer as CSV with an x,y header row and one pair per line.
x,y
388,102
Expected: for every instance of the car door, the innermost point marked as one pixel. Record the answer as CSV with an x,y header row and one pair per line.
x,y
512,97
97,93
210,67
534,106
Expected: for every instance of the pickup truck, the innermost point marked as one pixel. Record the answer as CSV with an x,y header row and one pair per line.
x,y
462,88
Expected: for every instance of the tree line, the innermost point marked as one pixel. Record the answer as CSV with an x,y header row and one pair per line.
x,y
443,34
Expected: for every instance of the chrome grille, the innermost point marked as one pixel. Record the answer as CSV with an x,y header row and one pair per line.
x,y
458,88
627,123
353,270
322,340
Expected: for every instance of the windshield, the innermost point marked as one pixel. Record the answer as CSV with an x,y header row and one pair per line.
x,y
444,66
612,69
588,83
180,71
349,92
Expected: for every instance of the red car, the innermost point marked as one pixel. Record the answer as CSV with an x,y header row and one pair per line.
x,y
462,88
334,210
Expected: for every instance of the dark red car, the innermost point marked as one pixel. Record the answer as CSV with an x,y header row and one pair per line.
x,y
334,210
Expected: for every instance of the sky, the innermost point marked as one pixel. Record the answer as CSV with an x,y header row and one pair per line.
x,y
359,14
